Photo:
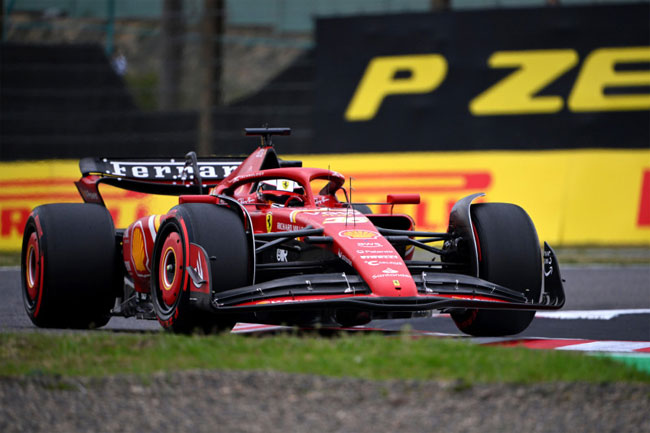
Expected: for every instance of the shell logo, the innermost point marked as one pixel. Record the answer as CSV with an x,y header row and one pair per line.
x,y
359,234
138,252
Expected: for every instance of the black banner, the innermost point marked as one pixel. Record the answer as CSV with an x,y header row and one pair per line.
x,y
536,78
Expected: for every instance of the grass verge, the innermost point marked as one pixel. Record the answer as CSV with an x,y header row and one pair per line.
x,y
372,356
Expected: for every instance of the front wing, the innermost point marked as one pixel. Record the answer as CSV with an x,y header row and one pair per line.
x,y
436,291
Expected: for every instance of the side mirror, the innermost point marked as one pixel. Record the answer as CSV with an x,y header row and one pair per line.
x,y
403,199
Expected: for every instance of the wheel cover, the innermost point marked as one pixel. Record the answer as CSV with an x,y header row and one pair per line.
x,y
32,268
170,269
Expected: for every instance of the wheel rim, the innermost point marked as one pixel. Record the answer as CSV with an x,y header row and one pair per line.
x,y
169,262
170,269
32,268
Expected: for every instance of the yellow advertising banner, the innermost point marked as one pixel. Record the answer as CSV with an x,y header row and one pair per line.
x,y
25,185
575,197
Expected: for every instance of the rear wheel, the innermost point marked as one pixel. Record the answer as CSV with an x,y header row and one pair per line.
x,y
221,234
69,266
509,255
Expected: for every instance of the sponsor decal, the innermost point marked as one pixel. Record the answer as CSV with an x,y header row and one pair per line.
x,y
325,212
358,234
269,222
246,176
138,241
350,219
374,277
390,271
167,170
288,227
381,262
281,255
380,256
370,244
138,251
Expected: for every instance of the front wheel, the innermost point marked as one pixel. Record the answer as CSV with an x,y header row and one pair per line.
x,y
509,255
220,232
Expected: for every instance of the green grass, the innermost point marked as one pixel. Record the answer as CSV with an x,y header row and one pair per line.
x,y
372,356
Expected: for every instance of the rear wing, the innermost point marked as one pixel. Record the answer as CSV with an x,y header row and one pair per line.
x,y
161,170
164,176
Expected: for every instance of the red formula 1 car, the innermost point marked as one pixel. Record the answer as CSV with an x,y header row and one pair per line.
x,y
264,240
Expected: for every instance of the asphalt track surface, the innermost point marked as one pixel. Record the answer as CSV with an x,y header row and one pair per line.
x,y
592,292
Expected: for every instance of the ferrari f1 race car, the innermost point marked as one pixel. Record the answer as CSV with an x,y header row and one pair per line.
x,y
265,240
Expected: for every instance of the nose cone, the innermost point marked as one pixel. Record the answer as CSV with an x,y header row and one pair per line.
x,y
378,263
358,243
391,282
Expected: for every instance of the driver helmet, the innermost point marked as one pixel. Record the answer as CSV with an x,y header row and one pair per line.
x,y
279,185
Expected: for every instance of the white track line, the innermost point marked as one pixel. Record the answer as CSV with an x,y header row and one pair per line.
x,y
608,346
589,314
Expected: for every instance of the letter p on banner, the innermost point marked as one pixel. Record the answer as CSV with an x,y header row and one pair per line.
x,y
424,73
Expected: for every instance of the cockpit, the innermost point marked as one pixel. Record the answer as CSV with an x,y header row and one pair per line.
x,y
287,187
281,192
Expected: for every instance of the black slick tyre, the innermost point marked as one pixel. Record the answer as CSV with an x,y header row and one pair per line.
x,y
220,232
70,270
509,255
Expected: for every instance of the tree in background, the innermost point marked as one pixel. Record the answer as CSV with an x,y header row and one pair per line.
x,y
212,27
172,55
